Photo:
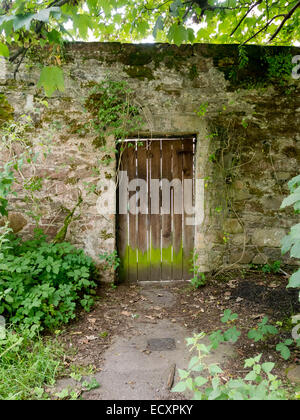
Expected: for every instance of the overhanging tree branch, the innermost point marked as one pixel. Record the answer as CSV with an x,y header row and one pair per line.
x,y
263,28
287,16
22,51
245,15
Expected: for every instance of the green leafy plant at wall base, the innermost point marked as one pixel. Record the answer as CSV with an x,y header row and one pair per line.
x,y
198,278
42,284
291,242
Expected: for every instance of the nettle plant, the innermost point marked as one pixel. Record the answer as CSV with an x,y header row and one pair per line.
x,y
198,278
291,242
42,283
207,382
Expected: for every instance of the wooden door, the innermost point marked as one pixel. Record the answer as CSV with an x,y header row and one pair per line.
x,y
156,232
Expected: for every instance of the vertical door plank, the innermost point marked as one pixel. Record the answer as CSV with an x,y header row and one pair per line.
x,y
177,218
155,219
188,229
143,249
132,246
166,220
122,239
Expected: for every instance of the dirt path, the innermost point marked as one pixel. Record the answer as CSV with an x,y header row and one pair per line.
x,y
137,362
135,334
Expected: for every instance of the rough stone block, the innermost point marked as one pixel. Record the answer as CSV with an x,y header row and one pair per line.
x,y
16,222
233,226
268,237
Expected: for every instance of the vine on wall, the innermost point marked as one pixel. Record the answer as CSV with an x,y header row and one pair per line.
x,y
113,110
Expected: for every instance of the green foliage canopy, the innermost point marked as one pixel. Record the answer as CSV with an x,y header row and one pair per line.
x,y
177,21
27,24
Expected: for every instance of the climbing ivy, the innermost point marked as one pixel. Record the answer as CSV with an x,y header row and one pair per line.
x,y
114,110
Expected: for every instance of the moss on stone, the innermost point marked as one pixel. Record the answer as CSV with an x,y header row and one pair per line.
x,y
108,175
137,58
78,128
99,142
193,72
291,152
264,66
6,110
71,181
106,235
141,73
64,138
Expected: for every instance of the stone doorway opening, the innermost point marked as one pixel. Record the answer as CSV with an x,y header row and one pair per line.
x,y
155,203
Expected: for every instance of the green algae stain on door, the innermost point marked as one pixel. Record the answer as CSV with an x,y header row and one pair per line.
x,y
154,241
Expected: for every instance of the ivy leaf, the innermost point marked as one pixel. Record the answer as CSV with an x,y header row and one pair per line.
x,y
159,25
82,23
51,79
295,250
267,367
232,335
177,33
53,36
251,376
214,369
9,299
142,28
283,349
21,21
191,35
292,238
228,316
92,5
194,361
200,381
4,51
180,387
216,338
251,362
183,374
44,15
106,6
294,280
291,199
294,182
174,8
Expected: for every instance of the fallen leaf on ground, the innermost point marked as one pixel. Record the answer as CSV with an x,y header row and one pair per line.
x,y
91,337
257,316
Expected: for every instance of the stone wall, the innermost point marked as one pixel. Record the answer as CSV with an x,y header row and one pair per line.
x,y
248,142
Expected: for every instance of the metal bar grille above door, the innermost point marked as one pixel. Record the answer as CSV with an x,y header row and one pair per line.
x,y
156,235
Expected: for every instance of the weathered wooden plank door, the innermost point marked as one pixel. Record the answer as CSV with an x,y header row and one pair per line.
x,y
156,232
